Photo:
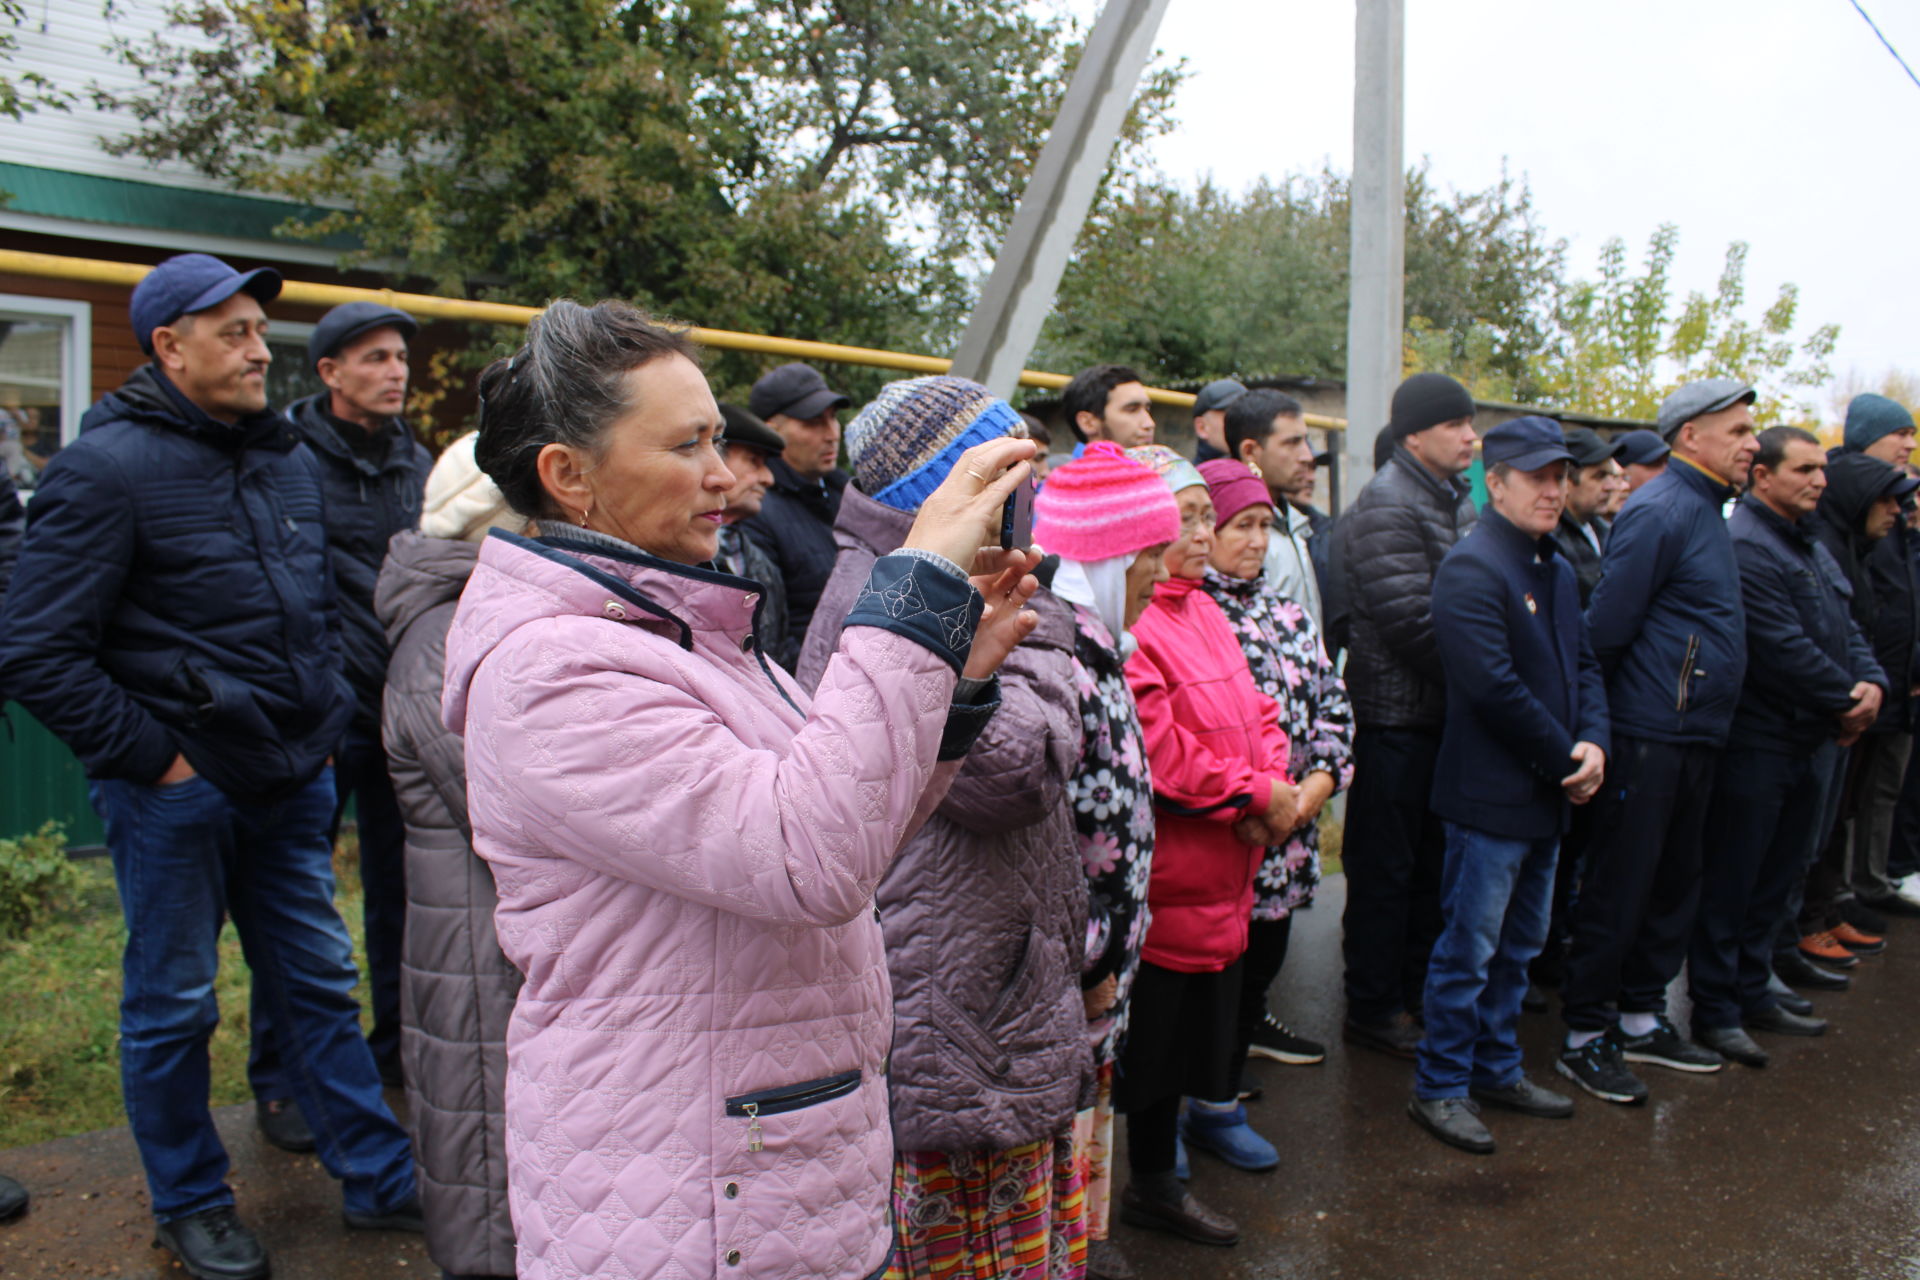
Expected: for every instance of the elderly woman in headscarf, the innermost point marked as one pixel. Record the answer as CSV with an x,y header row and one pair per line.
x,y
1218,759
984,910
1290,665
1110,520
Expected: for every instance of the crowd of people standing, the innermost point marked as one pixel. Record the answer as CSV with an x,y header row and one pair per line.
x,y
774,869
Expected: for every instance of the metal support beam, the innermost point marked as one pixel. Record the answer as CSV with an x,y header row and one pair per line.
x,y
1019,294
1376,286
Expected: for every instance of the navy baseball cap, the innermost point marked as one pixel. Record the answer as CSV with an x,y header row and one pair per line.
x,y
340,326
1642,449
796,390
1589,448
193,282
1525,444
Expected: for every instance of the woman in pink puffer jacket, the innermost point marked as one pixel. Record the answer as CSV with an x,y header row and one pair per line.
x,y
686,849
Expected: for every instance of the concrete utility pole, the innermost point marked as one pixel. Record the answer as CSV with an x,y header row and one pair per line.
x,y
1376,305
1004,326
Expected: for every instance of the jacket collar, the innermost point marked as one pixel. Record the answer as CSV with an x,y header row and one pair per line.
x,y
1798,533
1691,473
787,480
149,396
327,434
1450,490
1519,540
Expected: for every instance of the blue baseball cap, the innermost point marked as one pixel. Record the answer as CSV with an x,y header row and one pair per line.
x,y
1642,449
193,282
1525,444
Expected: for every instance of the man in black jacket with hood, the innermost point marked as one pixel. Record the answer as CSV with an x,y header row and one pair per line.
x,y
172,620
374,473
1386,549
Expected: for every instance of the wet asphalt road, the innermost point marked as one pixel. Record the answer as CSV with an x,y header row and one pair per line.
x,y
1809,1168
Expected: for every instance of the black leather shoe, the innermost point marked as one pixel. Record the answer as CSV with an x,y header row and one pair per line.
x,y
1455,1121
1796,970
1863,917
1733,1044
1528,1098
1779,1021
13,1199
214,1245
405,1216
282,1125
1172,1208
1793,1003
1398,1036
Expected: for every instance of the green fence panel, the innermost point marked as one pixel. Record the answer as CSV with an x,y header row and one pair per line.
x,y
40,780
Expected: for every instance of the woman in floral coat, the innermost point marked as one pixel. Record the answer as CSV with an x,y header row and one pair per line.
x,y
1289,663
1109,519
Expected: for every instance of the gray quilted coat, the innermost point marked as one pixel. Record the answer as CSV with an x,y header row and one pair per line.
x,y
985,910
1386,548
456,988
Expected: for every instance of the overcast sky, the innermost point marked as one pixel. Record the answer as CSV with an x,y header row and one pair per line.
x,y
1783,123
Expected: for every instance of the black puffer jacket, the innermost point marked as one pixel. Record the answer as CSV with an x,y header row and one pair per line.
x,y
1386,549
173,597
456,988
1580,553
1881,572
373,492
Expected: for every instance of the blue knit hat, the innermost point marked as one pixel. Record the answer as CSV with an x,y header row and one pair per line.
x,y
904,443
1869,417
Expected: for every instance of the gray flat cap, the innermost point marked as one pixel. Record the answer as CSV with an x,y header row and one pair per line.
x,y
1709,395
1218,394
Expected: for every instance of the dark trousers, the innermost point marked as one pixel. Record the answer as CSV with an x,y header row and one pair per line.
x,y
360,769
1637,899
1767,817
1549,968
1393,853
1816,871
1829,879
1266,953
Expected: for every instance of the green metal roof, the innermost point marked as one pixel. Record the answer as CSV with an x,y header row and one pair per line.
x,y
82,197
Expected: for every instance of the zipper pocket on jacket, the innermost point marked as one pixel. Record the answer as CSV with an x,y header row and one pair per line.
x,y
792,1097
1686,673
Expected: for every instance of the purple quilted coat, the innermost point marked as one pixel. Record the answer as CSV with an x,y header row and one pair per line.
x,y
985,910
686,851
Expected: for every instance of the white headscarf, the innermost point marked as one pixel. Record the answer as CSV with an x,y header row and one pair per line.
x,y
1100,585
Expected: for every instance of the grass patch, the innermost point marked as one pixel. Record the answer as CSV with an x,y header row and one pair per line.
x,y
1332,838
59,1042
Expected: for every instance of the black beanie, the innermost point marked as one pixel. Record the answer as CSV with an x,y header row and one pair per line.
x,y
1427,400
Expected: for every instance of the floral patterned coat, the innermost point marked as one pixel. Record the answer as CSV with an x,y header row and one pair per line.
x,y
1112,798
1289,663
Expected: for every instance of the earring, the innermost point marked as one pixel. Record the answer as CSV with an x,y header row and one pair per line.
x,y
583,516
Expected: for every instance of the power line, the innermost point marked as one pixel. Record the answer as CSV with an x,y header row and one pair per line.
x,y
1883,40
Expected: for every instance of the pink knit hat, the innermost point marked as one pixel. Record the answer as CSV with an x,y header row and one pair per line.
x,y
1103,504
1233,487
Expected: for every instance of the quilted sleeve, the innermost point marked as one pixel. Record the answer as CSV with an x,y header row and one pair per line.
x,y
1015,774
1392,576
630,772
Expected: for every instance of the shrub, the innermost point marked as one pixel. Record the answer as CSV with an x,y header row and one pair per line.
x,y
37,879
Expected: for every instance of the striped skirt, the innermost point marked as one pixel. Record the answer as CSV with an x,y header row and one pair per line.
x,y
990,1215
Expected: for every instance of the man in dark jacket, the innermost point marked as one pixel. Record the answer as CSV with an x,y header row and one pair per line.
x,y
1386,549
13,525
795,524
1526,736
373,472
172,621
1210,419
1581,533
752,448
1882,428
1667,628
1857,514
1809,679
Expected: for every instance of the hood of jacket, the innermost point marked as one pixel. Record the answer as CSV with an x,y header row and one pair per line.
x,y
420,574
326,434
1854,482
149,397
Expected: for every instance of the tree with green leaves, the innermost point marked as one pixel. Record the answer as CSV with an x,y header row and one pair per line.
x,y
27,90
1623,343
814,168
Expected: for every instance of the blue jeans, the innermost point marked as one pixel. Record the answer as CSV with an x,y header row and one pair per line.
x,y
185,857
360,774
1496,895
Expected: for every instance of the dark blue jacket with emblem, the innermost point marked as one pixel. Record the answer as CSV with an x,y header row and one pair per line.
x,y
1665,619
1522,683
174,596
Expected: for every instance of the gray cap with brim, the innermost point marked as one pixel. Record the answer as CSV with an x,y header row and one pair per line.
x,y
1696,399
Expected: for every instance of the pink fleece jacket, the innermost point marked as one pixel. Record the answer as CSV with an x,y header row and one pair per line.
x,y
686,851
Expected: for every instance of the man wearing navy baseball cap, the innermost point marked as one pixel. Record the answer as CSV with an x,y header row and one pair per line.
x,y
172,620
374,473
1526,738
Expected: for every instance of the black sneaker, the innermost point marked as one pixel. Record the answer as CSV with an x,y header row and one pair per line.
x,y
405,1216
1665,1047
1275,1039
214,1245
13,1199
1596,1067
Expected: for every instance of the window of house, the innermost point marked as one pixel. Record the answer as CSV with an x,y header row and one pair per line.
x,y
46,367
290,377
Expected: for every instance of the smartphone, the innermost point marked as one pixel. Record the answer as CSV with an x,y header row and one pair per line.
x,y
1016,519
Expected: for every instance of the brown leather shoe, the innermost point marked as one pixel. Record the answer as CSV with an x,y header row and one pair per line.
x,y
1859,941
1158,1210
1826,948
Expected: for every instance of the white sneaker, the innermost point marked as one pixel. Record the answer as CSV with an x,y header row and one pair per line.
x,y
1908,887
